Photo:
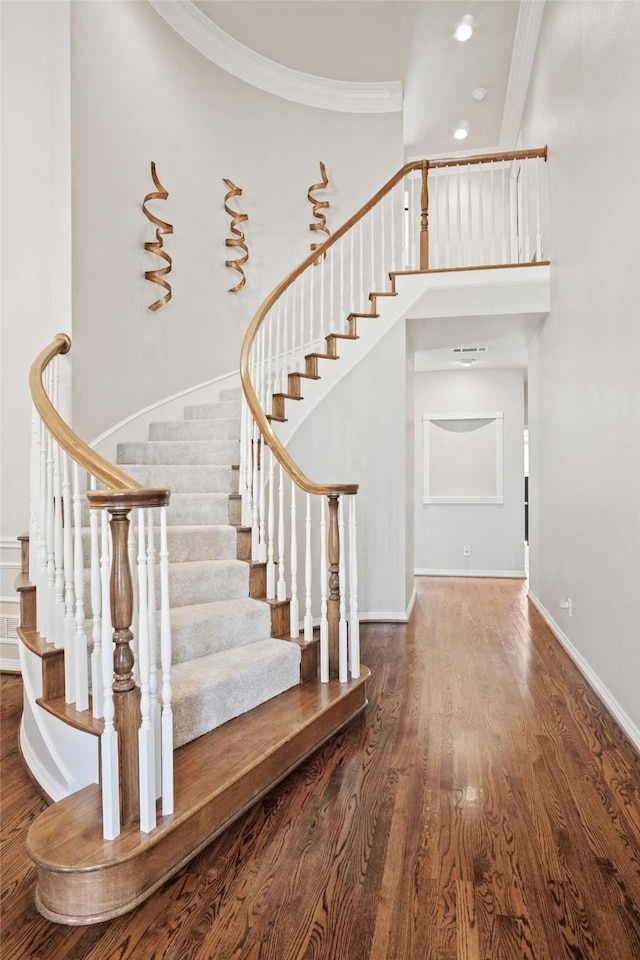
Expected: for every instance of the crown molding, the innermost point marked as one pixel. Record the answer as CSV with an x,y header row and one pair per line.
x,y
524,48
234,57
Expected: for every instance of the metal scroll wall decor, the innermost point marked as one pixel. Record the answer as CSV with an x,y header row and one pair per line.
x,y
155,246
238,240
319,205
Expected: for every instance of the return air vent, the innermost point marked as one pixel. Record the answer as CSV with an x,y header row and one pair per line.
x,y
469,350
8,627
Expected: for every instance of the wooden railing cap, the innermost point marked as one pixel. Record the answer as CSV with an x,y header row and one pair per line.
x,y
128,499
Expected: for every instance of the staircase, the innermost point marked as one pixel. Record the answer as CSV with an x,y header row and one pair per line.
x,y
225,658
259,644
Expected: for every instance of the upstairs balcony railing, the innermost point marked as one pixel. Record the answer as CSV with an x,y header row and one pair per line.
x,y
443,215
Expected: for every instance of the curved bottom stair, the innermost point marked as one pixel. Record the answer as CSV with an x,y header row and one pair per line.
x,y
85,879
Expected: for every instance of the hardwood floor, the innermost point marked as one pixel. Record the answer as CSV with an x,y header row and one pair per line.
x,y
484,807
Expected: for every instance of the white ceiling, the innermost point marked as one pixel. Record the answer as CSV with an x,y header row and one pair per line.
x,y
361,40
411,41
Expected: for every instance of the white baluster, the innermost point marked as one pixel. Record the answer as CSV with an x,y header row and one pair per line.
x,y
97,682
107,627
109,741
539,255
448,217
308,617
282,584
69,595
343,313
294,611
279,358
324,584
41,582
469,215
493,216
165,659
262,541
255,520
332,319
51,564
352,299
354,621
413,227
372,234
505,215
271,522
383,284
80,656
34,497
284,381
302,343
312,336
361,267
58,552
392,197
153,649
482,258
146,750
343,672
525,207
322,316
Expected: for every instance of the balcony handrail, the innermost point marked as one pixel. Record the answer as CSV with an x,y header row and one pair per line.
x,y
273,442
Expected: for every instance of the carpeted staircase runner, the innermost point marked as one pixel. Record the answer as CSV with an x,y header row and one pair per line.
x,y
225,661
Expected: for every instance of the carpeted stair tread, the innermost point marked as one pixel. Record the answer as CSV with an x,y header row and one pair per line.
x,y
204,628
195,430
213,689
194,508
205,581
184,478
179,451
231,393
212,411
201,542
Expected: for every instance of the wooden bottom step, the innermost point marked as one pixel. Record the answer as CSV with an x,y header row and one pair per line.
x,y
85,879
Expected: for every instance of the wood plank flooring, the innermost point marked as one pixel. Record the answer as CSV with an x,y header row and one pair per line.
x,y
485,806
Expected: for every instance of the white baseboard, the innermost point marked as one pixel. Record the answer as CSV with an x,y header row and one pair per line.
x,y
412,600
427,572
592,678
383,616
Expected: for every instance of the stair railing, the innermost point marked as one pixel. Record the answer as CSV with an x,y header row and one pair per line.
x,y
431,215
89,604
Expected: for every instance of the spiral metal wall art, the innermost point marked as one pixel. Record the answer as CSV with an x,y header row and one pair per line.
x,y
237,241
319,205
155,246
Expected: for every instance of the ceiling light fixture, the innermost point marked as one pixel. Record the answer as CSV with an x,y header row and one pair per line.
x,y
464,30
466,362
461,133
479,93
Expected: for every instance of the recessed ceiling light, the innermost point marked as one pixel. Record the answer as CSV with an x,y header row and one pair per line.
x,y
466,362
461,133
479,93
464,30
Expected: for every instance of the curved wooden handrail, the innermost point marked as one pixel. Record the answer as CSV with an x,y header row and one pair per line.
x,y
101,469
272,441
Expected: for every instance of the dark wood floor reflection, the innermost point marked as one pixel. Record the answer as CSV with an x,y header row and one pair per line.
x,y
484,807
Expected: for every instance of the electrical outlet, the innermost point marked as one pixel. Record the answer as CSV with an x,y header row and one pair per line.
x,y
567,605
466,550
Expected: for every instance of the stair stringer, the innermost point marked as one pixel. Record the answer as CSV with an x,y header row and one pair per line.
x,y
473,292
61,758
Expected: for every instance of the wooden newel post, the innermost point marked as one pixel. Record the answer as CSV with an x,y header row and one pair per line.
x,y
333,602
424,218
126,696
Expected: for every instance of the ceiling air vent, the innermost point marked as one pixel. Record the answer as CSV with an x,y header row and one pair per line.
x,y
468,350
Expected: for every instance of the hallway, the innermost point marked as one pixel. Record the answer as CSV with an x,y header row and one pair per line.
x,y
483,807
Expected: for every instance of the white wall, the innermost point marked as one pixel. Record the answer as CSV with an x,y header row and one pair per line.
x,y
141,93
36,242
584,398
494,532
357,434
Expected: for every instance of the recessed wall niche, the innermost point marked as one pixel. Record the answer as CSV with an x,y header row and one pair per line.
x,y
462,458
